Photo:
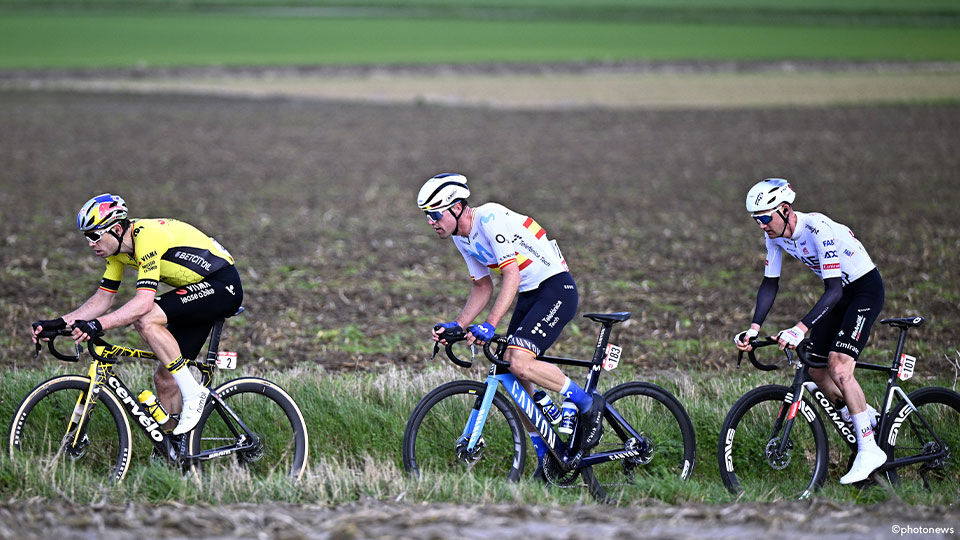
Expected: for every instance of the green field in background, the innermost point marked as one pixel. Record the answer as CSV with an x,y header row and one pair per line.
x,y
39,40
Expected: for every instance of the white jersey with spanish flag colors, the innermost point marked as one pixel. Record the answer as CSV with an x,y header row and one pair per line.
x,y
501,237
825,246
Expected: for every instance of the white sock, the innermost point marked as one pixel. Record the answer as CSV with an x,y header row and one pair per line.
x,y
861,423
189,387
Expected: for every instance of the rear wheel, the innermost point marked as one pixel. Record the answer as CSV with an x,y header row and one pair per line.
x,y
277,438
757,457
665,450
46,430
434,441
934,428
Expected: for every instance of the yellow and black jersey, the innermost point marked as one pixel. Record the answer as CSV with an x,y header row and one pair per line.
x,y
166,250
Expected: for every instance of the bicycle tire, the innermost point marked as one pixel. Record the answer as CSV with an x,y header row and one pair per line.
x,y
270,413
753,427
436,424
907,436
667,430
47,411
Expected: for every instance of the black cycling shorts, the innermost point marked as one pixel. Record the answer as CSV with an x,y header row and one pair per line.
x,y
542,313
192,309
846,327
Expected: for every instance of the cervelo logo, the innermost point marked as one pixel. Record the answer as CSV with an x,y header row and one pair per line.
x,y
133,407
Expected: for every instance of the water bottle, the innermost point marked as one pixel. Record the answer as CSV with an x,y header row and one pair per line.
x,y
568,417
151,403
546,406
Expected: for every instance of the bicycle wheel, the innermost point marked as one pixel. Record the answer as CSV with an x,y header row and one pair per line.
x,y
668,441
750,438
933,427
45,431
280,445
433,442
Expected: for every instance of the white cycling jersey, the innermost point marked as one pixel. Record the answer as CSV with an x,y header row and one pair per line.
x,y
499,237
825,246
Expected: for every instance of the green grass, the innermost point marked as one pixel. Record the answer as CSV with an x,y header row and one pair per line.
x,y
356,422
31,40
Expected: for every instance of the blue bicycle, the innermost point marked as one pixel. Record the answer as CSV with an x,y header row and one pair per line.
x,y
469,425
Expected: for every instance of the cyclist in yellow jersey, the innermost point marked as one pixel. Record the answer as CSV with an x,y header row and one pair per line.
x,y
176,323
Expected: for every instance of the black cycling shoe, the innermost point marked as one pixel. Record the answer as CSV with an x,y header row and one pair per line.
x,y
591,426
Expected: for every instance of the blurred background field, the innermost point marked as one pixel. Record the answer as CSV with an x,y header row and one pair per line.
x,y
297,133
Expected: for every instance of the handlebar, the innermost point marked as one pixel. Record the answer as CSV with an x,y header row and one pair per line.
x,y
802,354
52,335
454,335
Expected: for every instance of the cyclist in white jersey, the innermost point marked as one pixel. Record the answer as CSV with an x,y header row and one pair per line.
x,y
493,237
840,322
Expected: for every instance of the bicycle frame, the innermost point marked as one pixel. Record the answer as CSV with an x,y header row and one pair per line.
x,y
525,404
102,374
803,384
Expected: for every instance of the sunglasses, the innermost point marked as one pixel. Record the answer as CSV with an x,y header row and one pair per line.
x,y
433,216
764,219
94,236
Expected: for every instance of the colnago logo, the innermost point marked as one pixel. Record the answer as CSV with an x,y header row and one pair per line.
x,y
835,417
133,407
527,406
728,450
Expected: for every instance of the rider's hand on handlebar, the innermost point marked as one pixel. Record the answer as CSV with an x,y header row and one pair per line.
x,y
441,328
84,330
51,325
742,340
480,333
791,337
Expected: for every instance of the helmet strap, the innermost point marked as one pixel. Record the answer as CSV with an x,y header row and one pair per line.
x,y
785,222
463,208
124,226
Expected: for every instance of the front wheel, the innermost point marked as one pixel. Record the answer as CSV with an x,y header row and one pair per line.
x,y
434,441
757,456
933,428
275,438
664,452
47,430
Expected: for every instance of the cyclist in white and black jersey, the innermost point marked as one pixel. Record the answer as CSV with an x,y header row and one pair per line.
x,y
493,237
840,322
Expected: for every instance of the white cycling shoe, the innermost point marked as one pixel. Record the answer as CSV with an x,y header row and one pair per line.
x,y
192,409
866,462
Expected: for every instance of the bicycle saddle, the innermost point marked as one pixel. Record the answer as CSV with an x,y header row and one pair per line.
x,y
904,322
608,318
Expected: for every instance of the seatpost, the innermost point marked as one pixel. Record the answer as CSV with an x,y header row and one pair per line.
x,y
602,341
900,342
215,341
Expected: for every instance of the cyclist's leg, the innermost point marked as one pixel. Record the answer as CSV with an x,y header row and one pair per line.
x,y
152,327
537,323
866,297
190,311
822,336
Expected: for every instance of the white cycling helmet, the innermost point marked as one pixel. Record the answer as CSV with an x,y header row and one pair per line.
x,y
442,191
101,212
768,194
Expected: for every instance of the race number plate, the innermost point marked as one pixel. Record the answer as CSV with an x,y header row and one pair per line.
x,y
227,360
613,357
907,363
